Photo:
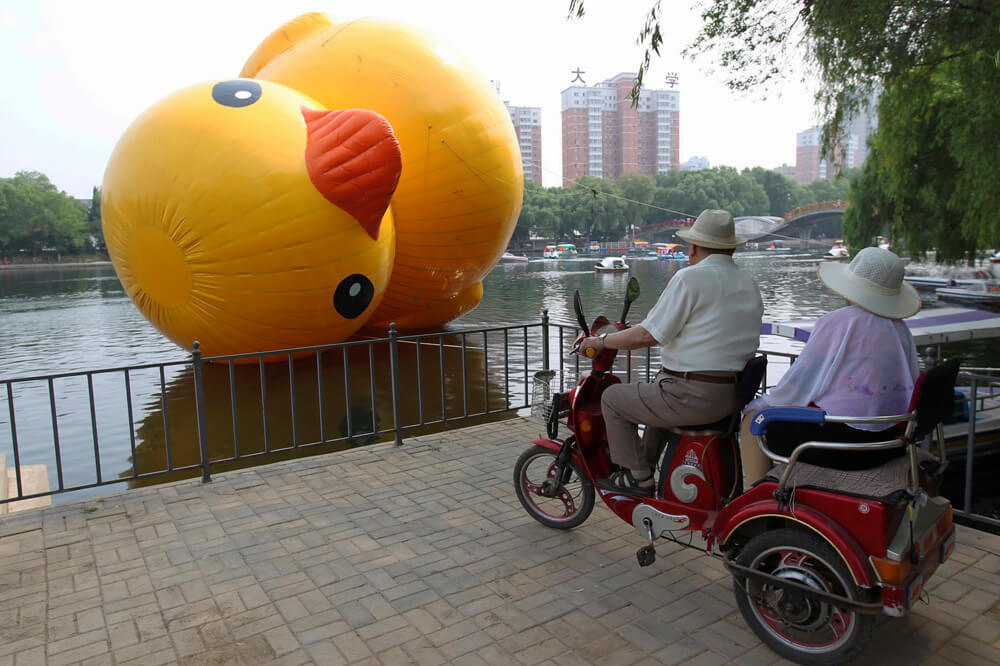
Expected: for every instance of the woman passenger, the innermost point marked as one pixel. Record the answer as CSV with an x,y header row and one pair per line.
x,y
859,360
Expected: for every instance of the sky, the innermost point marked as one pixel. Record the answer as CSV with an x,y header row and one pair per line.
x,y
76,74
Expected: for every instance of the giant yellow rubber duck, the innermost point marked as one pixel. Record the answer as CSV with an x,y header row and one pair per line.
x,y
243,215
225,228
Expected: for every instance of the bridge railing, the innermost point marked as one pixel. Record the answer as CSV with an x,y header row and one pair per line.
x,y
837,204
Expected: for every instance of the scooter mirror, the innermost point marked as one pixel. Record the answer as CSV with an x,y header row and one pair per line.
x,y
578,307
631,293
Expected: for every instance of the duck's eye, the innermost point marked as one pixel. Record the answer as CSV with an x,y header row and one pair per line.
x,y
236,93
353,295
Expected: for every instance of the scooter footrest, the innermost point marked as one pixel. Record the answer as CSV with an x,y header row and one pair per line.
x,y
646,555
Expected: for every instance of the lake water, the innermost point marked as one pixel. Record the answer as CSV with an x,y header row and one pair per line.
x,y
77,318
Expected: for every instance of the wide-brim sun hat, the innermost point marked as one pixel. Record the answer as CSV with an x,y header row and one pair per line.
x,y
714,229
874,281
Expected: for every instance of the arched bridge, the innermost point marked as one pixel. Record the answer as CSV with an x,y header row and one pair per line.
x,y
805,222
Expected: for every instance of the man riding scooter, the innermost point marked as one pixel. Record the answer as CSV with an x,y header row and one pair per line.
x,y
707,321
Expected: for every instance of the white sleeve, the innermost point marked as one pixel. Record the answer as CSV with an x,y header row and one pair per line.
x,y
671,311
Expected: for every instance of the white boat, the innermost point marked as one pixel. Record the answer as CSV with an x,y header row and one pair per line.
x,y
611,265
994,264
777,246
509,258
974,291
837,253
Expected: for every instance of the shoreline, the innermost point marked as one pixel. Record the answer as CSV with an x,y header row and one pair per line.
x,y
50,264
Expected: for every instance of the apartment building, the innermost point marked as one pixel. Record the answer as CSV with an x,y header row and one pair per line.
x,y
810,164
604,135
528,127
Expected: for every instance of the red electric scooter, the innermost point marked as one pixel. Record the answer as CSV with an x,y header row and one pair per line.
x,y
815,553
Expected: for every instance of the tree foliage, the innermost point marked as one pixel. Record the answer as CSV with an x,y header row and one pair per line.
x,y
94,227
599,209
36,217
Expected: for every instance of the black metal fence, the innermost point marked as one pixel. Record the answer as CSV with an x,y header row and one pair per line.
x,y
201,414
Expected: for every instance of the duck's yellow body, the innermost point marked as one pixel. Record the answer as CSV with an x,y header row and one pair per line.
x,y
241,224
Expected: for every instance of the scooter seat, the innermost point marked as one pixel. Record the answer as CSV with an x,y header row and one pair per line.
x,y
720,427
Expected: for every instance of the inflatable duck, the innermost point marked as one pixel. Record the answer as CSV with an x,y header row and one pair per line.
x,y
244,215
281,216
460,194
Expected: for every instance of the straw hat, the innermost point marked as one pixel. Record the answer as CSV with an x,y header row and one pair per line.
x,y
714,229
874,281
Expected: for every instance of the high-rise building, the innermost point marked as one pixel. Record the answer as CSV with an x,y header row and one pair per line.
x,y
810,163
528,127
863,126
604,135
851,153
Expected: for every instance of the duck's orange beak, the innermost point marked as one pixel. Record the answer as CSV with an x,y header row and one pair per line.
x,y
353,159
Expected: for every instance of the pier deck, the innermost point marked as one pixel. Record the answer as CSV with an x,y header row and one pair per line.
x,y
418,554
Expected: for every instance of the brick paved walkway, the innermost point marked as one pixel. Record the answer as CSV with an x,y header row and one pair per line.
x,y
412,555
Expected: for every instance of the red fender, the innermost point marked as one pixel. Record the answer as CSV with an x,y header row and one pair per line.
x,y
554,446
732,517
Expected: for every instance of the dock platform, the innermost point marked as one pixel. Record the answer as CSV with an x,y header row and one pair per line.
x,y
419,554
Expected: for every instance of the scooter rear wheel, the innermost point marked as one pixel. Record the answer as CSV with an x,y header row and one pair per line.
x,y
534,483
799,628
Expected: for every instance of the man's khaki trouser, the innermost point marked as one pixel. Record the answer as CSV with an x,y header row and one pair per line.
x,y
665,402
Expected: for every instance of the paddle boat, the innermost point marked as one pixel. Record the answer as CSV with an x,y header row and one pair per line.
x,y
777,246
611,265
560,251
973,291
994,264
639,247
669,251
510,258
838,252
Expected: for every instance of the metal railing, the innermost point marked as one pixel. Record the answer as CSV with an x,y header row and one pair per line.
x,y
183,418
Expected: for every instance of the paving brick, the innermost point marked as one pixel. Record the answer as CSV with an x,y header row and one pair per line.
x,y
351,646
307,561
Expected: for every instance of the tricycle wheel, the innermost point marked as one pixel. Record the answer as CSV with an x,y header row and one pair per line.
x,y
799,628
561,507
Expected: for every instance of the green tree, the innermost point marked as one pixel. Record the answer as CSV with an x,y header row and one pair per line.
x,y
638,189
783,193
828,190
94,227
37,217
690,192
594,209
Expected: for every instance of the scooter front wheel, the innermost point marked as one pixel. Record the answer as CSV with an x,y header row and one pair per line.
x,y
803,629
560,505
